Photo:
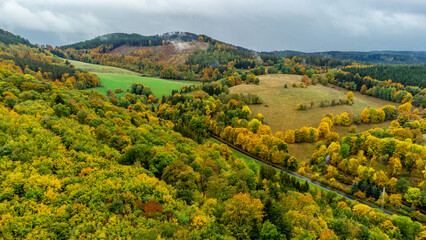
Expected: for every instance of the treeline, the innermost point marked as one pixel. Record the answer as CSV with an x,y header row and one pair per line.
x,y
380,57
310,134
114,40
218,54
325,61
408,75
387,90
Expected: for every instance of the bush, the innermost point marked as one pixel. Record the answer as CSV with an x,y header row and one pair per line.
x,y
301,107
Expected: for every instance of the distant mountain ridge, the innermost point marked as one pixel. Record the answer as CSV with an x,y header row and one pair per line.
x,y
115,40
383,57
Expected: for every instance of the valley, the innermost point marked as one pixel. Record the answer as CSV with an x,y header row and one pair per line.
x,y
103,139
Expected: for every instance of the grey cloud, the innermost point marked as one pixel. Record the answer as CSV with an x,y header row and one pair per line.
x,y
306,25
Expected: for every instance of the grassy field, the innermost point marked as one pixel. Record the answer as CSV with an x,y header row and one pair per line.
x,y
279,108
158,86
95,68
112,78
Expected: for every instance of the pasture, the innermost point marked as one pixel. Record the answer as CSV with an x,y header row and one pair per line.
x,y
279,107
113,77
95,68
158,86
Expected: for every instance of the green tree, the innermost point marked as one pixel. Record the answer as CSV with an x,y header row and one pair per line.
x,y
254,125
137,153
413,196
409,230
269,232
160,161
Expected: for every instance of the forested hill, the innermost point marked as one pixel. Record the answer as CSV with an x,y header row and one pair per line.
x,y
10,38
134,39
385,57
172,56
39,63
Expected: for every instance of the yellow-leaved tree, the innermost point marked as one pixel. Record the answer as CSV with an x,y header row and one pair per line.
x,y
243,215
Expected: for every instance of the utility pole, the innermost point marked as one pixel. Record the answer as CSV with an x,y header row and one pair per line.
x,y
383,198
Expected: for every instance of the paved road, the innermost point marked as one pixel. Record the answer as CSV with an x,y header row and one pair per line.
x,y
302,178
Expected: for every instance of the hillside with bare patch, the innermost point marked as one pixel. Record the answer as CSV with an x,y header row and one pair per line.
x,y
173,53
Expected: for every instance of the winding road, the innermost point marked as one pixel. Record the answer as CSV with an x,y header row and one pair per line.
x,y
301,177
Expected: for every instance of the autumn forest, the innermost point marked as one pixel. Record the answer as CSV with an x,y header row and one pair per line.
x,y
210,159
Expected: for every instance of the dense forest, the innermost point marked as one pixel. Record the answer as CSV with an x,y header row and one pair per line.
x,y
77,164
387,89
380,57
410,75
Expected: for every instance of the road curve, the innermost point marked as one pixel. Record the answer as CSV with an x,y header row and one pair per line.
x,y
301,177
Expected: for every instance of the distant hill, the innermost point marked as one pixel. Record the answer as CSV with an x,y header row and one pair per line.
x,y
171,48
134,39
10,38
383,57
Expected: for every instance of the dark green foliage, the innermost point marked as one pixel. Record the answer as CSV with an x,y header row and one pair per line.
x,y
9,38
61,110
119,39
409,75
345,150
341,227
354,188
159,162
402,185
346,58
140,89
269,232
116,40
408,228
267,172
276,215
137,153
216,57
10,102
248,99
116,206
384,89
288,182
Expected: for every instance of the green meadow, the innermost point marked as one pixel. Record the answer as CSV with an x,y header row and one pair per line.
x,y
113,77
160,87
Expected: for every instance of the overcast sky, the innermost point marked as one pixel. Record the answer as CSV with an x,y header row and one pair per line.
x,y
304,25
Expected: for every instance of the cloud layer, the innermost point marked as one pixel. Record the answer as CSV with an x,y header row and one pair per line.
x,y
306,25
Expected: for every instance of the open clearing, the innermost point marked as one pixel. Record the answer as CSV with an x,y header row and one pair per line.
x,y
279,107
158,86
113,77
95,68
